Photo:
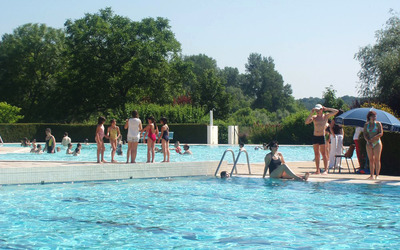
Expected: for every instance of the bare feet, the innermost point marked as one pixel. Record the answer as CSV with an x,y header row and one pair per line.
x,y
114,161
370,178
325,172
104,161
377,178
317,172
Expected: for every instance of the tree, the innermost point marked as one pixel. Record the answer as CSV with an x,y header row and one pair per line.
x,y
30,61
205,87
331,101
266,85
9,113
118,61
380,66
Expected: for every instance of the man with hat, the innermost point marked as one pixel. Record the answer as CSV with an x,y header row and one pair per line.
x,y
318,140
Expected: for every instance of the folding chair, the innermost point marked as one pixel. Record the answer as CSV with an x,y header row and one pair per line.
x,y
348,155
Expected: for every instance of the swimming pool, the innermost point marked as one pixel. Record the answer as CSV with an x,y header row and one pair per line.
x,y
200,153
200,213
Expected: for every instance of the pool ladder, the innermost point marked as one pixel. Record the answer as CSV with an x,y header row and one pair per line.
x,y
235,161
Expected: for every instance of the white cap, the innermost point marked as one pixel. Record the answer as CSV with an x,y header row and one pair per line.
x,y
318,106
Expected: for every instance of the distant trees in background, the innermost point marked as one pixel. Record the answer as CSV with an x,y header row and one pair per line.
x,y
106,64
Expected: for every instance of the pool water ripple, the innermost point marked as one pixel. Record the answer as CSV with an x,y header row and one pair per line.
x,y
200,212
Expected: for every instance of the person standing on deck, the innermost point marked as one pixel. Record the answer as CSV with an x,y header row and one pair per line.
x,y
318,140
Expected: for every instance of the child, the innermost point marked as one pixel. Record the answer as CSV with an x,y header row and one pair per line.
x,y
134,126
39,149
119,146
99,139
69,150
78,149
165,139
151,131
86,141
177,147
34,148
25,142
113,134
50,142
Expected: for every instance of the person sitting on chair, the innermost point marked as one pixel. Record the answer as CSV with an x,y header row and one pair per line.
x,y
276,164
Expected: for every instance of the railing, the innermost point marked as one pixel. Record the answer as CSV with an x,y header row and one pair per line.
x,y
222,158
237,159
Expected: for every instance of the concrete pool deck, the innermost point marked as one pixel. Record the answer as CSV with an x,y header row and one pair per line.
x,y
39,172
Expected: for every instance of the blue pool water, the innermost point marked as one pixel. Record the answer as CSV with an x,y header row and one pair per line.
x,y
200,153
200,213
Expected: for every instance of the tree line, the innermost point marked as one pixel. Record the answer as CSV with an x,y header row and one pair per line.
x,y
105,64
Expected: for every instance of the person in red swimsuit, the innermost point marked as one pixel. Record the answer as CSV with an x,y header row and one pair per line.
x,y
151,130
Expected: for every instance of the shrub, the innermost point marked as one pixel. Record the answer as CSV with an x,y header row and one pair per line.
x,y
390,160
9,113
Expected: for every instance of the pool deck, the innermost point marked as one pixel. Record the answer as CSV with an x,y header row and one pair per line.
x,y
40,172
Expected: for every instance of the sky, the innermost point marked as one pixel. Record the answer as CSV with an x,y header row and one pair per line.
x,y
312,42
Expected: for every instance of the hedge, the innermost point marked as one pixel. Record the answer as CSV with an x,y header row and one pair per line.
x,y
390,160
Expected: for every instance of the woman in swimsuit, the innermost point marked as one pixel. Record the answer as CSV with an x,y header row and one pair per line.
x,y
276,164
372,134
164,139
50,142
113,133
151,132
99,139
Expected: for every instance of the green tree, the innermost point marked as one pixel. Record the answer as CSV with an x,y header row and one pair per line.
x,y
9,113
206,87
380,66
266,85
331,101
30,61
117,61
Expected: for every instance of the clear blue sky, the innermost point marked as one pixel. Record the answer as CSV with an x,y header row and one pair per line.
x,y
312,42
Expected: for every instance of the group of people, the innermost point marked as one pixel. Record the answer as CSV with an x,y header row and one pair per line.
x,y
150,133
372,132
326,130
50,144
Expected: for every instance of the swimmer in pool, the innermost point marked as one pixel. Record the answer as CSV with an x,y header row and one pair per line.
x,y
50,146
177,147
276,164
186,150
224,175
77,151
69,149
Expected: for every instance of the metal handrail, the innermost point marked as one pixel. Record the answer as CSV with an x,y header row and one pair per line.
x,y
222,158
237,159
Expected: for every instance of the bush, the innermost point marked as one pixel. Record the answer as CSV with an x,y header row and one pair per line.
x,y
9,113
390,160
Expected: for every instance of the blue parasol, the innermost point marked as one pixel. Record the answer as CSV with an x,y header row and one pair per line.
x,y
358,117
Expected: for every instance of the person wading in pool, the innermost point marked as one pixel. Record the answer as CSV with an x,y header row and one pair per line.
x,y
318,139
276,164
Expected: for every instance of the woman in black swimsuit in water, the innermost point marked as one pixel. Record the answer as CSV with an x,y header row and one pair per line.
x,y
276,164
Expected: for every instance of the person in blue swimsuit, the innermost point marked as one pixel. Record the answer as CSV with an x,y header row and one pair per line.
x,y
164,139
276,164
372,134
